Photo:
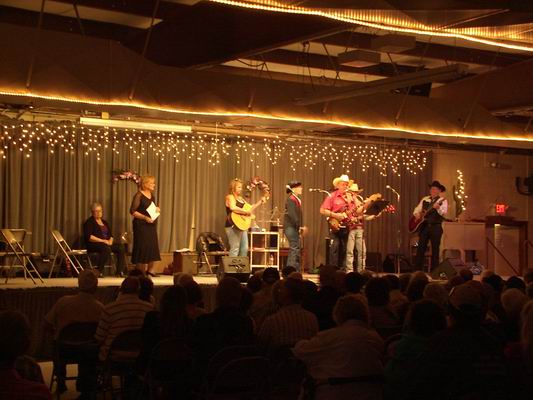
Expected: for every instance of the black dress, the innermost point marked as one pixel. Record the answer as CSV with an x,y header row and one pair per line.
x,y
145,244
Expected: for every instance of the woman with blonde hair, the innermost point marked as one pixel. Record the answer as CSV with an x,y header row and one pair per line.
x,y
145,244
235,203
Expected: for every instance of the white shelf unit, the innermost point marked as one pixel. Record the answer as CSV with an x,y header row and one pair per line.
x,y
261,251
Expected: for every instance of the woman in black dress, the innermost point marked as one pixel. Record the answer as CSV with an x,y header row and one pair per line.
x,y
145,245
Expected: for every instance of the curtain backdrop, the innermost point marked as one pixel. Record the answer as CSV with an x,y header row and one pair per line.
x,y
48,191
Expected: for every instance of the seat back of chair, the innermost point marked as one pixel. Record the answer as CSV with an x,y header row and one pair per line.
x,y
9,237
243,376
228,354
77,332
171,359
126,346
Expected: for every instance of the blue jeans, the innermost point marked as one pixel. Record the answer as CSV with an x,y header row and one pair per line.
x,y
293,259
238,241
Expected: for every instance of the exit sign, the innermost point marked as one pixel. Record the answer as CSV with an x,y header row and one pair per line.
x,y
501,208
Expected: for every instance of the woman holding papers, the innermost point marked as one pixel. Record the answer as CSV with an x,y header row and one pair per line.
x,y
145,212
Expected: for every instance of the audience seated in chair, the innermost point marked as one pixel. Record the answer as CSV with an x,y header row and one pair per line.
x,y
225,326
263,303
99,239
291,323
195,302
124,314
382,316
350,350
171,322
465,360
326,297
425,319
15,339
82,307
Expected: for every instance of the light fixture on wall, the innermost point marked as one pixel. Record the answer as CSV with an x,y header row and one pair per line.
x,y
139,125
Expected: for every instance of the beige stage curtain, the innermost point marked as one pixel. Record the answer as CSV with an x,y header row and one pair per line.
x,y
49,191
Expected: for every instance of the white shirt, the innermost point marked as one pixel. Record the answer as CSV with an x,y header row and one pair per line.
x,y
442,210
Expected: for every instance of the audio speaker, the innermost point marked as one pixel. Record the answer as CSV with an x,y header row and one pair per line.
x,y
236,267
186,262
448,269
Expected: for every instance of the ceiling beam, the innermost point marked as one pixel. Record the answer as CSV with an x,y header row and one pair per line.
x,y
454,54
320,61
209,34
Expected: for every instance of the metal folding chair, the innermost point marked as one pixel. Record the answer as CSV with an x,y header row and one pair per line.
x,y
69,254
14,247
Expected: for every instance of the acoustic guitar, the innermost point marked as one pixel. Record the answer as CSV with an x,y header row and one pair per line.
x,y
244,222
350,218
415,224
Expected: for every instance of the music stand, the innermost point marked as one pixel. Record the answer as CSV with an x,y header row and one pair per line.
x,y
376,207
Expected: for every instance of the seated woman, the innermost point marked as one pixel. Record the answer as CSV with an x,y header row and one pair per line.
x,y
98,239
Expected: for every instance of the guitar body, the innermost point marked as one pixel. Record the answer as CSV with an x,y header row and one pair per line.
x,y
334,224
415,223
243,222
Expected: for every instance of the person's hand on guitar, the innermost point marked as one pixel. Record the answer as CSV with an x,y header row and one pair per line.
x,y
437,205
339,216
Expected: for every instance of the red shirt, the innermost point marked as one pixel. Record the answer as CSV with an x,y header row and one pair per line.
x,y
337,202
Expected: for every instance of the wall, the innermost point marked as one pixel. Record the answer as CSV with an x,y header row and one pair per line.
x,y
486,185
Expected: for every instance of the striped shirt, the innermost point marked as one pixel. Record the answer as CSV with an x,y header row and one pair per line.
x,y
125,314
286,327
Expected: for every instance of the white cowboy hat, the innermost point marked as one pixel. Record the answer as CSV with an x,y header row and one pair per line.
x,y
342,178
354,187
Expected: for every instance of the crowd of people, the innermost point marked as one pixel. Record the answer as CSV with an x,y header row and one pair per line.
x,y
354,335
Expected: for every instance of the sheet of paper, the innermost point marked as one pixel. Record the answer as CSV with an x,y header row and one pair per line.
x,y
152,211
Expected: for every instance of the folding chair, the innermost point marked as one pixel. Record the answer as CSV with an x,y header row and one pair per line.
x,y
210,244
69,254
14,246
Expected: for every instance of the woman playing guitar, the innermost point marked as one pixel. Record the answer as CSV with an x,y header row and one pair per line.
x,y
239,215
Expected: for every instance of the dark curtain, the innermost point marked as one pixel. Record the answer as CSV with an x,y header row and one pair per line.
x,y
54,191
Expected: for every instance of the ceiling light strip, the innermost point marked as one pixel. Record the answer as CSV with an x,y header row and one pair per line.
x,y
493,137
338,17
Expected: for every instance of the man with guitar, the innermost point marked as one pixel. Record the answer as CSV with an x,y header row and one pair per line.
x,y
356,238
428,216
239,216
336,208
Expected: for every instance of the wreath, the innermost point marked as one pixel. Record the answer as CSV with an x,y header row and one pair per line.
x,y
126,175
257,183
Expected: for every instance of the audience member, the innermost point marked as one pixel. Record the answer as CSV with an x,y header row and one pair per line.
x,y
354,282
254,284
454,281
146,289
225,326
181,278
326,297
415,289
529,291
513,300
405,278
286,271
467,358
15,339
296,275
172,321
425,319
381,315
528,276
436,292
82,307
246,300
291,323
466,274
350,350
195,304
514,282
339,282
124,314
263,303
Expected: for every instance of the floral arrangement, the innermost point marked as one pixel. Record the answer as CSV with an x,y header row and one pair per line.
x,y
126,175
257,183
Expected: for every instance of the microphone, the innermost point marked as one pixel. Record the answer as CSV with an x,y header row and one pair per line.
x,y
394,190
314,190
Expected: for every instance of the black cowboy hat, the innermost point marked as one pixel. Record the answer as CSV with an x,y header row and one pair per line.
x,y
292,185
438,185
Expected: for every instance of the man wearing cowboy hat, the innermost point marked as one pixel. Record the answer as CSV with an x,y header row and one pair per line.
x,y
292,223
435,207
355,236
336,205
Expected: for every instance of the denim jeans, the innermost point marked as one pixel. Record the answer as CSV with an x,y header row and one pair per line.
x,y
293,259
337,248
356,239
238,241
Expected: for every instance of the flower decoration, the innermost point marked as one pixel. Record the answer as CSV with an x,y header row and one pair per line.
x,y
257,183
126,175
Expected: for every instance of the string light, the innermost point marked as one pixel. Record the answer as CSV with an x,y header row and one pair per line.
x,y
72,138
459,194
390,21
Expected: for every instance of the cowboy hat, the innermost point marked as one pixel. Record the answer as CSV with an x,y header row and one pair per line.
x,y
438,185
342,178
354,187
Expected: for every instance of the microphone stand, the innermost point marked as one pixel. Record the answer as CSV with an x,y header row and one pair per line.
x,y
397,259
